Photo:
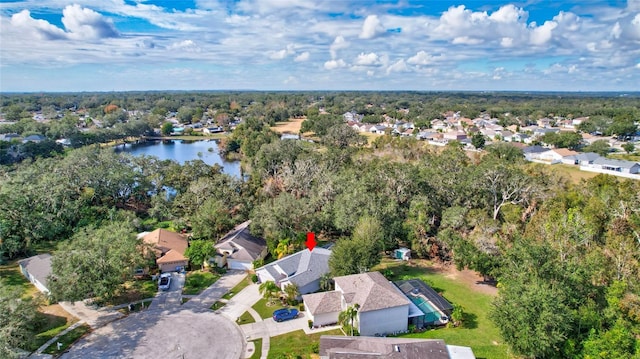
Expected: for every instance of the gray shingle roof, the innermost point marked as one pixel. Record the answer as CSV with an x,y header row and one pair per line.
x,y
38,266
371,291
338,347
244,245
614,163
301,267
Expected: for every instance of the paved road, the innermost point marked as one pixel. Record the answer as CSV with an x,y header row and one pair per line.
x,y
169,330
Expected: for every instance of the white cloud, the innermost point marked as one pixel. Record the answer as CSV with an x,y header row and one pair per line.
x,y
421,59
398,66
80,24
302,57
278,55
370,59
506,42
38,28
509,14
542,34
466,40
334,64
338,43
83,23
371,28
185,45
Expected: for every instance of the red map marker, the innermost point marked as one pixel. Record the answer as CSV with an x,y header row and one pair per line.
x,y
311,240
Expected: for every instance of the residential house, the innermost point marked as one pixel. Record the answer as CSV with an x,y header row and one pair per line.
x,y
608,165
238,249
539,132
582,159
9,137
37,269
340,347
34,138
378,129
303,269
454,136
212,130
555,155
545,122
521,137
382,308
428,307
168,247
289,136
533,152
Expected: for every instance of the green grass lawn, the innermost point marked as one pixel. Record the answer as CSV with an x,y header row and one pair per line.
x,y
477,331
198,280
240,286
258,352
12,278
265,310
245,318
67,339
217,305
297,344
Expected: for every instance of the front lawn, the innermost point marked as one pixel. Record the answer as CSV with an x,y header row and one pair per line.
x,y
258,352
245,318
66,340
12,278
217,305
197,281
266,310
477,330
297,344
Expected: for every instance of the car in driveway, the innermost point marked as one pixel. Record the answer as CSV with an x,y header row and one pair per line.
x,y
281,315
164,283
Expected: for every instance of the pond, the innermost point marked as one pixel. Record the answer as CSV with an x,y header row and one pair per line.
x,y
182,151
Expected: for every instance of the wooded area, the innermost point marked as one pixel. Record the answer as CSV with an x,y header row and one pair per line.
x,y
566,256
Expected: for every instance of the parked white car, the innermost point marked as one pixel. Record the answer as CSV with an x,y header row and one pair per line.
x,y
164,283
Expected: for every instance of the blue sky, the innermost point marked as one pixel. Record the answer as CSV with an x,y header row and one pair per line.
x,y
434,45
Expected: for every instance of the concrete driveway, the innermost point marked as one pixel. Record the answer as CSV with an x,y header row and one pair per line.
x,y
271,328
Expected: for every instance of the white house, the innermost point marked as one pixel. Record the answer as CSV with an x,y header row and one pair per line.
x,y
382,308
555,155
607,165
303,269
37,269
238,249
582,159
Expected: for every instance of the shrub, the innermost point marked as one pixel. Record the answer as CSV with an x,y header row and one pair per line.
x,y
254,278
310,323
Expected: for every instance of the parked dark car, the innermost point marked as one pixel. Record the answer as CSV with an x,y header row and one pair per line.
x,y
285,314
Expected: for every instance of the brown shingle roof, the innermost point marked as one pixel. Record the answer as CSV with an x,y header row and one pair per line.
x,y
163,241
371,291
325,302
172,256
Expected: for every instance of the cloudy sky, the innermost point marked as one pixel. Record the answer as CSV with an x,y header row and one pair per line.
x,y
113,45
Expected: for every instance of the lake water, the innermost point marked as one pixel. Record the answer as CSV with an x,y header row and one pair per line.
x,y
182,151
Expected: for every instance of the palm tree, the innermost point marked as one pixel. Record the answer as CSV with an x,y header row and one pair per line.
x,y
326,282
347,316
292,292
268,290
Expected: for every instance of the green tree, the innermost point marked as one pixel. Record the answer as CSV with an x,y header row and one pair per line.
x,y
199,251
19,319
361,252
95,263
477,140
600,147
269,290
629,147
292,292
167,128
348,316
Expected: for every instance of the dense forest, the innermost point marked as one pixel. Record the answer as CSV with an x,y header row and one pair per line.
x,y
565,255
